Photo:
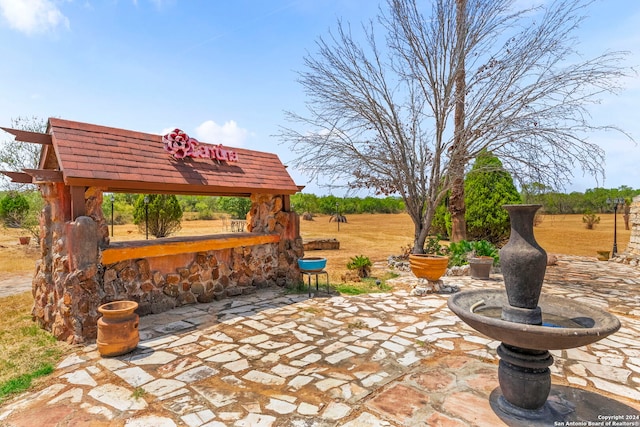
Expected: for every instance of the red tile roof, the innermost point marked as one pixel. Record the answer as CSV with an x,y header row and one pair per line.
x,y
124,160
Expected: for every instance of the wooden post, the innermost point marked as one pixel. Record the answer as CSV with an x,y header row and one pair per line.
x,y
78,207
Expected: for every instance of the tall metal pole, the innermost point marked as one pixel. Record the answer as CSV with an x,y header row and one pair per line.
x,y
615,228
112,200
146,216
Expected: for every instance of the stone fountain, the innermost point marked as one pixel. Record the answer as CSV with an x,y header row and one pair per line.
x,y
528,325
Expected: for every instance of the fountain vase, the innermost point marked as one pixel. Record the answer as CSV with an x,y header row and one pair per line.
x,y
524,264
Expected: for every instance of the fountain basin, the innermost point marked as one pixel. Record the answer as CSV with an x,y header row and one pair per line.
x,y
591,324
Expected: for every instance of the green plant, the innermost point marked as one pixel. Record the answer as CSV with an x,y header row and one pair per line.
x,y
237,207
358,324
361,264
14,207
441,223
590,219
487,187
460,252
22,210
138,393
432,246
485,248
163,211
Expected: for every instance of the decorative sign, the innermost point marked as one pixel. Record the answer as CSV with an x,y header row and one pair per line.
x,y
180,145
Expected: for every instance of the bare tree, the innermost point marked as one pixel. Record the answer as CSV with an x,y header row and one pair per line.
x,y
385,118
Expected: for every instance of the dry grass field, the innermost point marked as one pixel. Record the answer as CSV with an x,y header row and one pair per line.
x,y
375,236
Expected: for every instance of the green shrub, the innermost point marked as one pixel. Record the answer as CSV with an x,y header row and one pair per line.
x,y
460,252
164,214
361,264
237,207
441,223
590,219
487,187
14,208
122,208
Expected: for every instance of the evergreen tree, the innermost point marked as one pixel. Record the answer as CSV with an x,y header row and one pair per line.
x,y
487,187
164,214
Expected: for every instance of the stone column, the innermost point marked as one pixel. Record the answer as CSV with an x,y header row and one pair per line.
x,y
66,287
267,216
632,254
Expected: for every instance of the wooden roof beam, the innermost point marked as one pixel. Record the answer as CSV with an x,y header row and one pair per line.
x,y
18,177
44,175
27,136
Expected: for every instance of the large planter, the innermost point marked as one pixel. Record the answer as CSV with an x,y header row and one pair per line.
x,y
118,328
480,267
524,264
430,267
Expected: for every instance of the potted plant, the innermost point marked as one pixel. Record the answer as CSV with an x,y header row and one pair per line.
x,y
480,255
433,263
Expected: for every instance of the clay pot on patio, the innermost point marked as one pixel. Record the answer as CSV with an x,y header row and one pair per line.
x,y
480,267
118,328
430,267
24,240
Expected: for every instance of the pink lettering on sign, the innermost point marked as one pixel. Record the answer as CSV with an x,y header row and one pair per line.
x,y
180,145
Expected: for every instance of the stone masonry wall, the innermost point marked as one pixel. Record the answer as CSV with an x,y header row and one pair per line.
x,y
209,275
66,287
632,254
266,216
70,282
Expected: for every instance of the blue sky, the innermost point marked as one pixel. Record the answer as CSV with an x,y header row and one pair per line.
x,y
224,71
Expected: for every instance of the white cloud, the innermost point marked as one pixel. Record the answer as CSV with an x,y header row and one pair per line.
x,y
33,16
229,134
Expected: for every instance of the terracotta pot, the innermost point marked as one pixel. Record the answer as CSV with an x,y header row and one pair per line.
x,y
24,240
480,267
118,328
430,267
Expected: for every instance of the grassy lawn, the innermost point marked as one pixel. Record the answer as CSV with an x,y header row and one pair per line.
x,y
26,351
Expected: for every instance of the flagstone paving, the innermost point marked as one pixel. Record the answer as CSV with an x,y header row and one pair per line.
x,y
272,359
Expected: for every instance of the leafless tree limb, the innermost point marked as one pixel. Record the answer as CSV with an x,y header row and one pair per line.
x,y
383,116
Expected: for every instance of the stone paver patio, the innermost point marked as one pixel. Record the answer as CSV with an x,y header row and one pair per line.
x,y
272,359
